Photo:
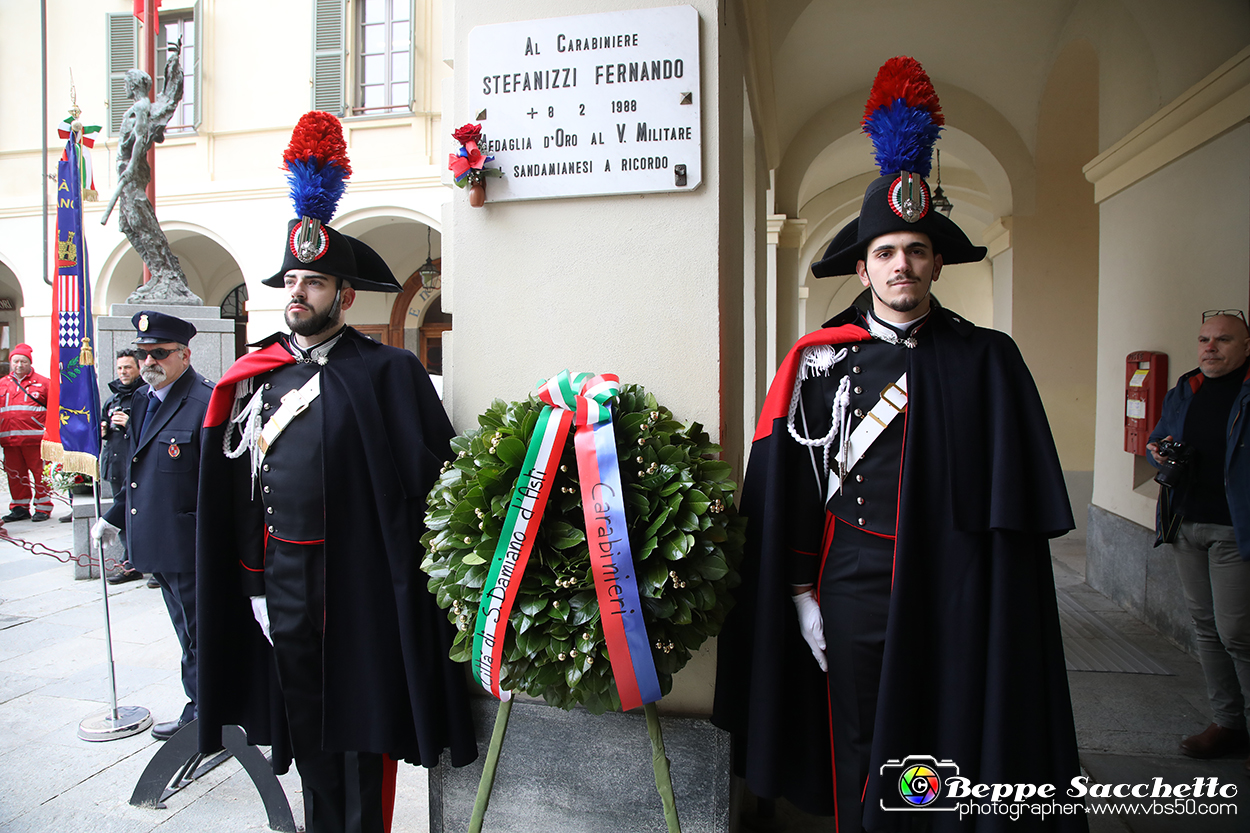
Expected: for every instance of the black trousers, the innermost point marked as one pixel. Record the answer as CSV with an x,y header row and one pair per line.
x,y
178,590
342,790
854,603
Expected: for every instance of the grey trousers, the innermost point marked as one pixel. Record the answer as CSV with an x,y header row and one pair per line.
x,y
1217,590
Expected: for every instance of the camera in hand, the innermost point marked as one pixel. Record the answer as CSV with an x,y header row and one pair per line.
x,y
109,427
1176,459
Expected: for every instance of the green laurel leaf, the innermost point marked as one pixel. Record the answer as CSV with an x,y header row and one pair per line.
x,y
684,532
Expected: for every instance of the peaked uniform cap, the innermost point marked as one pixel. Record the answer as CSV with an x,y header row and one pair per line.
x,y
153,327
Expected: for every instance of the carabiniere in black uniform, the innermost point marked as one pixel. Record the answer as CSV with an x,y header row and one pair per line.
x,y
295,501
292,490
853,565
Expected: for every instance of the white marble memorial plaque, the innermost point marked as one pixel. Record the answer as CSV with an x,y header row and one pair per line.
x,y
588,105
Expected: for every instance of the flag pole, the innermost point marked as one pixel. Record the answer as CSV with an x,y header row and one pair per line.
x,y
118,721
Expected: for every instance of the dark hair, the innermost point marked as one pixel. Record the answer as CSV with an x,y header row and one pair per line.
x,y
128,353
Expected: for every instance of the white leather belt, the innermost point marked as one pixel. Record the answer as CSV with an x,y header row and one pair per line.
x,y
294,403
892,403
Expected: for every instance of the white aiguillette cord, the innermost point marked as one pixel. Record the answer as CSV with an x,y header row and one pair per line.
x,y
819,360
256,438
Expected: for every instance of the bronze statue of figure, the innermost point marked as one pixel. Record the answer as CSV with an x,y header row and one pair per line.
x,y
143,125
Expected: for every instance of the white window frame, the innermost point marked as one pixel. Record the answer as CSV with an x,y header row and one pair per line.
x,y
390,108
190,69
337,36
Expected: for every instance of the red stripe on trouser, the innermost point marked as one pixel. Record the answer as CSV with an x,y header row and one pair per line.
x,y
831,523
389,767
23,464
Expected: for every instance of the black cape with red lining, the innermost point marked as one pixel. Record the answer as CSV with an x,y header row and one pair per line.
x,y
389,684
973,668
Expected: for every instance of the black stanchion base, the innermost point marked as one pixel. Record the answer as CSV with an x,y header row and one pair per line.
x,y
179,762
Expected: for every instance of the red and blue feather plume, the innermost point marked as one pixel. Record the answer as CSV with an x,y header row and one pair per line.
x,y
903,117
316,165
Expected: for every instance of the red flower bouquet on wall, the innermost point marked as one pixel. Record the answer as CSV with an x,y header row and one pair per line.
x,y
468,165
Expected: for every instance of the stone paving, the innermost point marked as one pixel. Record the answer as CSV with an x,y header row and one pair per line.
x,y
53,674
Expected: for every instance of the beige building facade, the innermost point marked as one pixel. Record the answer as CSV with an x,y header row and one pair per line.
x,y
1099,148
221,196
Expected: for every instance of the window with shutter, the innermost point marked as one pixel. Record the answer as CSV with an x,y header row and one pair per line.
x,y
122,54
329,56
185,25
383,65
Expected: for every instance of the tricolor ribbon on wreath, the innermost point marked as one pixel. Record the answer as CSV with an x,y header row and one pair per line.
x,y
583,401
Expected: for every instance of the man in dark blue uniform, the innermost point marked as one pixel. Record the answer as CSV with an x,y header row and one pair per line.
x,y
156,505
901,488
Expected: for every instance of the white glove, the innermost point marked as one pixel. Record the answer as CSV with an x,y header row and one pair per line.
x,y
260,610
104,532
811,625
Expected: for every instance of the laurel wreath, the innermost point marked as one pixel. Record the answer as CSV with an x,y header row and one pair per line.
x,y
685,534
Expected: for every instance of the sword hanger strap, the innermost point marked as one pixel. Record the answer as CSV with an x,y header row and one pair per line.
x,y
893,402
294,403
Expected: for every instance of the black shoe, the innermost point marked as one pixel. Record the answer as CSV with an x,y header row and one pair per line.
x,y
124,576
67,519
19,513
40,516
153,583
165,731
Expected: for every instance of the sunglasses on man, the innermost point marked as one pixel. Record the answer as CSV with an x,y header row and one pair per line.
x,y
1235,313
158,353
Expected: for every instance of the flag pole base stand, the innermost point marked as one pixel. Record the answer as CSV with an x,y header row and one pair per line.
x,y
127,721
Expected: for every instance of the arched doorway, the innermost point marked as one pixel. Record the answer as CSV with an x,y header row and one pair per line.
x,y
418,322
12,332
429,336
234,308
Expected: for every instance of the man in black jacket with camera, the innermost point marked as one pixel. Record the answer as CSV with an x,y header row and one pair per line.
x,y
116,423
1204,514
114,430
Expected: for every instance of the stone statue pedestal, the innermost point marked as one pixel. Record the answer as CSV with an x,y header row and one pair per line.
x,y
212,349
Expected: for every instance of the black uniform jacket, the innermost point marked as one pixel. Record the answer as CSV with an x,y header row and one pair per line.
x,y
157,503
388,683
973,669
113,455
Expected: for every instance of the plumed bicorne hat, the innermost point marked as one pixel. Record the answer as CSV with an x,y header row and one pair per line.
x,y
317,168
903,119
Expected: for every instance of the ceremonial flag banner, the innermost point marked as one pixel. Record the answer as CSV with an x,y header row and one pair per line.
x,y
86,176
71,433
139,8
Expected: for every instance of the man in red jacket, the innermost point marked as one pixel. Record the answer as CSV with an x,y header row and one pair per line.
x,y
23,403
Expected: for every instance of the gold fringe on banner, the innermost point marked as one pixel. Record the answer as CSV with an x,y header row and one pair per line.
x,y
78,462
